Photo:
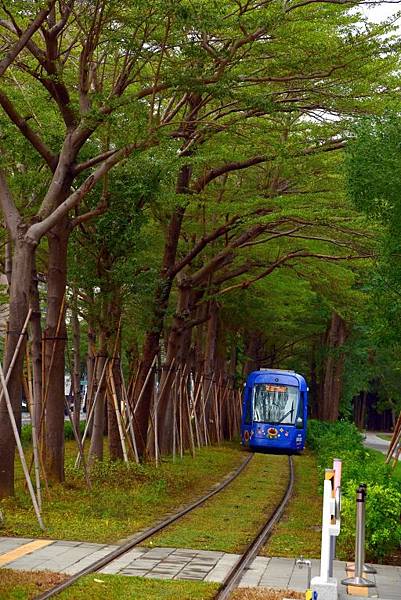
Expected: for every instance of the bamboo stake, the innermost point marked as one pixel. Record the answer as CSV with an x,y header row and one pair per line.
x,y
79,444
204,400
394,439
175,430
156,421
31,407
180,420
191,433
117,411
92,411
195,402
145,384
16,352
20,450
197,432
130,418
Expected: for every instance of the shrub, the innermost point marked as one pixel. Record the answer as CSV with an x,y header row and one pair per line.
x,y
382,527
26,432
383,505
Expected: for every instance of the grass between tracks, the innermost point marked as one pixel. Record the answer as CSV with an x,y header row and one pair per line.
x,y
299,531
229,521
122,500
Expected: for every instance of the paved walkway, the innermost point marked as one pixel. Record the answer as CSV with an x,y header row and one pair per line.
x,y
376,443
177,563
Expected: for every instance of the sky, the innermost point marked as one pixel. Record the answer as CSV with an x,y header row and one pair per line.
x,y
381,11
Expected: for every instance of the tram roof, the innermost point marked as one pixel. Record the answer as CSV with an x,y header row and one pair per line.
x,y
269,376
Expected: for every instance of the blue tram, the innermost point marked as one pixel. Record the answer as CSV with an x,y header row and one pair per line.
x,y
274,410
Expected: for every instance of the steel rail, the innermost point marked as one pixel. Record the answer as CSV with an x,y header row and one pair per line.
x,y
141,537
233,578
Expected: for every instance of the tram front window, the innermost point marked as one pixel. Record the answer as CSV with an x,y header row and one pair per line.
x,y
275,403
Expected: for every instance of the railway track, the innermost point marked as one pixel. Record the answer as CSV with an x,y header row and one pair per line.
x,y
146,534
233,578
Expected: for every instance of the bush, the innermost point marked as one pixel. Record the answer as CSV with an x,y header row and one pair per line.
x,y
26,432
383,526
383,503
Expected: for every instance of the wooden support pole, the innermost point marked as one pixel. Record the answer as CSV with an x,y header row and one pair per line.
x,y
20,450
31,406
92,412
117,411
130,417
16,352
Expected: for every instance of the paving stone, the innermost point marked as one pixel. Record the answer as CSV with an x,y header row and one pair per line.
x,y
260,561
134,572
210,554
24,565
274,582
192,576
250,580
71,543
205,560
159,552
153,575
185,552
142,563
18,540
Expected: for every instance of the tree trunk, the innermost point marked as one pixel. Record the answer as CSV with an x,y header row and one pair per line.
x,y
333,366
160,304
55,337
96,446
76,375
19,302
115,448
36,350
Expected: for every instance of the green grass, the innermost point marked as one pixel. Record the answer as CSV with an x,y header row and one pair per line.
x,y
228,521
378,457
23,585
122,500
298,532
118,587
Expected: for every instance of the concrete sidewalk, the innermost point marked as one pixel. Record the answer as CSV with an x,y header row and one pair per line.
x,y
178,563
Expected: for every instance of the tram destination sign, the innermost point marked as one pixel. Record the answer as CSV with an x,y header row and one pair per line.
x,y
276,388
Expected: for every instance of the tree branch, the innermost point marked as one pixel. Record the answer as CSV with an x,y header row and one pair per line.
x,y
25,37
283,260
38,230
212,174
9,210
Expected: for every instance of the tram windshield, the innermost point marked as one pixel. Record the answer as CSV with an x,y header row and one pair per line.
x,y
275,403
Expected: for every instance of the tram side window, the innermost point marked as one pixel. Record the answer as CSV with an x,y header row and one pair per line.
x,y
248,407
301,408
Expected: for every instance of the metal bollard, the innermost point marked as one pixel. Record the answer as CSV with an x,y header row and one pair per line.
x,y
300,562
358,580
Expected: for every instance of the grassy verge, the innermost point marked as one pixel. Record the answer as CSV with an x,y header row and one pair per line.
x,y
116,587
122,499
299,531
379,459
21,585
229,521
384,436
